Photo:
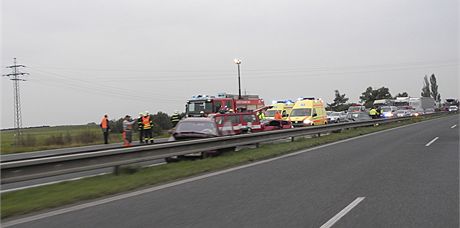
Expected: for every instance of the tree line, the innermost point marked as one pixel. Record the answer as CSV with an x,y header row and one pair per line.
x,y
367,98
161,123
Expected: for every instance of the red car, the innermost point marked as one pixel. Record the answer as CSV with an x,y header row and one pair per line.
x,y
237,123
270,125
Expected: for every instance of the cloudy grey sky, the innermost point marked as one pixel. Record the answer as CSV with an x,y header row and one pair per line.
x,y
90,57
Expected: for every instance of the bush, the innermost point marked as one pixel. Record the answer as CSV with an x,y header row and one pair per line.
x,y
163,120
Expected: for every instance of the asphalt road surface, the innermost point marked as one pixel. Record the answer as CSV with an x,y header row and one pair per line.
x,y
405,177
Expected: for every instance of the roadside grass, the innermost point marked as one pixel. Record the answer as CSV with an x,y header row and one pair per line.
x,y
34,139
46,138
55,195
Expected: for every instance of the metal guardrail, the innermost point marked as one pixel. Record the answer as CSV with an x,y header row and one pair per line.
x,y
15,171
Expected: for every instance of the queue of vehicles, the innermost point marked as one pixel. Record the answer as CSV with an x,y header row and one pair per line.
x,y
227,114
237,115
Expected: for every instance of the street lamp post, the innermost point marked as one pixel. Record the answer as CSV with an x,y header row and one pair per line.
x,y
238,62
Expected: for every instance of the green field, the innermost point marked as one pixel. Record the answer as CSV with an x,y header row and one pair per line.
x,y
43,138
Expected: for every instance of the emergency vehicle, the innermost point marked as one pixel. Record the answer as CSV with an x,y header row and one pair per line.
x,y
247,103
284,107
237,123
356,108
308,112
203,105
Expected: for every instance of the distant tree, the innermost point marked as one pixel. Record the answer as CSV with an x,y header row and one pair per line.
x,y
116,125
403,94
340,102
434,89
163,120
370,95
426,88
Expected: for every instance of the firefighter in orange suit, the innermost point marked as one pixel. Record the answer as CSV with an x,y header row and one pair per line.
x,y
147,125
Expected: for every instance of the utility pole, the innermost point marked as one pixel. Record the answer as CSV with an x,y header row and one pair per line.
x,y
16,77
238,62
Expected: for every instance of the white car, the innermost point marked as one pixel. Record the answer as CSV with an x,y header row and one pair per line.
x,y
453,108
403,113
336,117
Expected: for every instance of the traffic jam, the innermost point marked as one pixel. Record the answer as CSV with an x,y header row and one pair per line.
x,y
228,114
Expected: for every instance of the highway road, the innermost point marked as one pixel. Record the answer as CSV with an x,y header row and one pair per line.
x,y
404,177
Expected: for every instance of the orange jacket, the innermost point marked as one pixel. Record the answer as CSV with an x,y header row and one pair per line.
x,y
104,123
278,116
146,122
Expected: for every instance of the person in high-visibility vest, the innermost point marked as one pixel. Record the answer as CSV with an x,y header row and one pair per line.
x,y
278,115
175,118
373,113
147,125
140,127
261,115
105,128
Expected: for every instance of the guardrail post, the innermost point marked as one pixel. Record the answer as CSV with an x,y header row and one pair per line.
x,y
116,170
292,139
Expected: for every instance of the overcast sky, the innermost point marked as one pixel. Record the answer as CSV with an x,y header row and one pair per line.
x,y
90,57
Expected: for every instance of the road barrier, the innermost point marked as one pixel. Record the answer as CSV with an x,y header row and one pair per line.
x,y
33,168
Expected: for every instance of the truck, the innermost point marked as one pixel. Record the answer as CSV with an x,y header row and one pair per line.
x,y
422,105
247,103
401,102
203,105
383,102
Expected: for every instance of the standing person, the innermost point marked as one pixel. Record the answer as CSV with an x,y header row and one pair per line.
x,y
175,118
379,112
140,127
128,130
147,125
373,113
261,115
278,116
105,128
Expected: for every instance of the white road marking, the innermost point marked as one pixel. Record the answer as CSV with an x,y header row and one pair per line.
x,y
454,126
48,183
342,213
156,188
432,141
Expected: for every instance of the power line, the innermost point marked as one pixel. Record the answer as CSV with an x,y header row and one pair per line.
x,y
16,77
212,73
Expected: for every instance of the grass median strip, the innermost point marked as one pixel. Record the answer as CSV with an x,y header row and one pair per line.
x,y
55,195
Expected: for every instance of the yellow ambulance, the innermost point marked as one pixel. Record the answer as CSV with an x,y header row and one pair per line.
x,y
308,112
284,107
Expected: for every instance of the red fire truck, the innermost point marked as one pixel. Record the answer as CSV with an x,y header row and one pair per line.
x,y
203,105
